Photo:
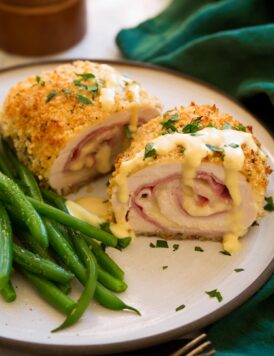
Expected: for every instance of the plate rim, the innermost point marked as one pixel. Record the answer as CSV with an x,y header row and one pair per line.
x,y
159,338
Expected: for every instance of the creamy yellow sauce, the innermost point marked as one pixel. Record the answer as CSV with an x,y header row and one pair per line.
x,y
103,159
95,211
195,150
95,205
133,123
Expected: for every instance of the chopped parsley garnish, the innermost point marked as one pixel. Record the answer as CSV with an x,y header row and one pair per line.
x,y
198,248
168,123
51,95
85,76
214,148
240,127
180,307
66,92
238,269
83,99
269,204
233,145
149,150
175,247
194,126
255,223
164,267
78,83
128,132
164,133
162,244
215,294
210,125
227,126
39,80
226,253
93,88
159,244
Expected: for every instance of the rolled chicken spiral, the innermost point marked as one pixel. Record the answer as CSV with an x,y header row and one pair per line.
x,y
68,124
193,173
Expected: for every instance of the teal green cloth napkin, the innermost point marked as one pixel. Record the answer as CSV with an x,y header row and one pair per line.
x,y
229,43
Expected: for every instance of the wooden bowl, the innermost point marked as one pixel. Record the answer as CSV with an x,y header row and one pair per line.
x,y
41,27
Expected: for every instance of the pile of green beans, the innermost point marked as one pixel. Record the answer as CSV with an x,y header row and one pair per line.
x,y
41,240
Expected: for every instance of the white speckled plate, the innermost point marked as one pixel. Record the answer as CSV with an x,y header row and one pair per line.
x,y
155,291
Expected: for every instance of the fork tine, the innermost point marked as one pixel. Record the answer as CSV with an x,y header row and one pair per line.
x,y
199,349
183,350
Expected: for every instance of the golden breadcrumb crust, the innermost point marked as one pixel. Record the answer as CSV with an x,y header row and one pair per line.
x,y
255,167
39,127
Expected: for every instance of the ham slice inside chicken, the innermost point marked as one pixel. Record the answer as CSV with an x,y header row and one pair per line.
x,y
158,202
93,151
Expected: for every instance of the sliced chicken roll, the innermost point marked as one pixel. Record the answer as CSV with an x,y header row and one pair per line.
x,y
194,173
68,124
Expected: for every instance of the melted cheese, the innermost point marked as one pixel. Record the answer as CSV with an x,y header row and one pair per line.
x,y
133,123
103,159
107,98
196,148
95,205
79,212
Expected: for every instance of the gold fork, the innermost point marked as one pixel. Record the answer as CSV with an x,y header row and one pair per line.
x,y
198,346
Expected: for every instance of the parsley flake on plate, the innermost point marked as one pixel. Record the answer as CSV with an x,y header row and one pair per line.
x,y
51,95
215,294
149,150
198,248
159,244
238,269
269,204
164,267
83,99
226,253
175,247
180,307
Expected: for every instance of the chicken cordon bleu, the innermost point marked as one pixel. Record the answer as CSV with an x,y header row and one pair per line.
x,y
193,173
68,124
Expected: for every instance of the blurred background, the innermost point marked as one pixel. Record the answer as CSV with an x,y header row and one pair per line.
x,y
96,27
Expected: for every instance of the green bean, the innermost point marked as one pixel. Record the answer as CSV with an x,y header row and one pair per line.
x,y
5,247
86,296
4,167
110,300
65,252
110,282
54,199
63,231
38,265
24,209
23,172
51,293
104,277
32,244
104,260
73,222
8,293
